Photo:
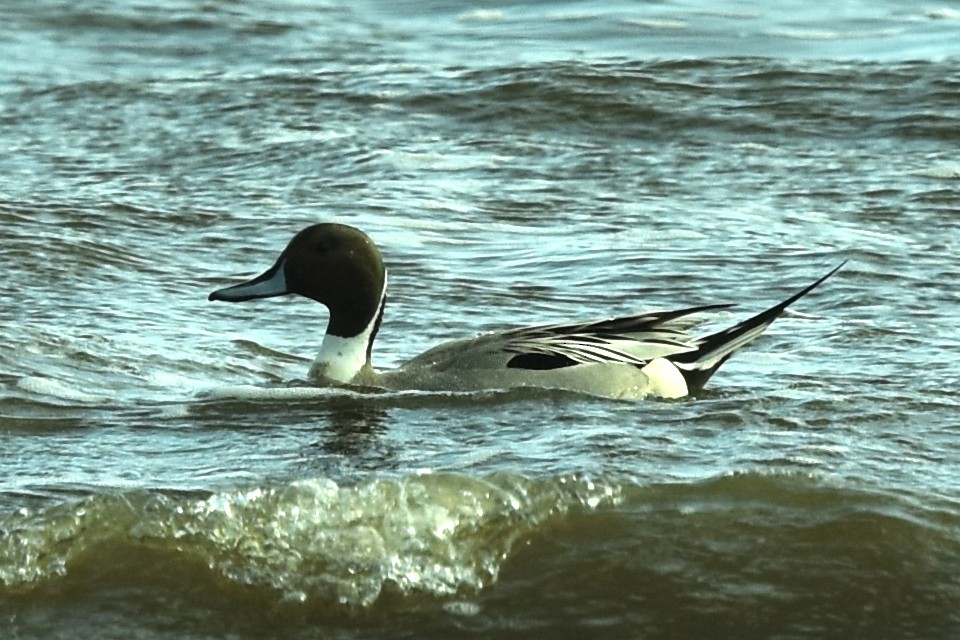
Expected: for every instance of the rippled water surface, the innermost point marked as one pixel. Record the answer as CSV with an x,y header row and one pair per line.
x,y
168,471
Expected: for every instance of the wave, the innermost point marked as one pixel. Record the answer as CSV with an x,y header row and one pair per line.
x,y
440,534
759,540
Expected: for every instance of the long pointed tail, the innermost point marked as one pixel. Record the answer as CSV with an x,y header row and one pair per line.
x,y
713,350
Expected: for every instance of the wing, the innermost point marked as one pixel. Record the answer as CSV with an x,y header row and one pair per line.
x,y
630,340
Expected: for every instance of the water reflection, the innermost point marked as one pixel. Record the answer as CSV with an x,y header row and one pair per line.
x,y
355,426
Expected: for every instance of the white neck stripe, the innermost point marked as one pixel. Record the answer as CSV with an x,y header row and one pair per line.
x,y
341,359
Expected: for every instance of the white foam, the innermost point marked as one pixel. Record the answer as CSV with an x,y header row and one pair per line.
x,y
656,24
255,393
944,13
481,15
58,390
443,534
830,34
944,171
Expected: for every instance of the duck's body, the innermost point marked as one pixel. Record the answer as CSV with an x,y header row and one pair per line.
x,y
647,355
620,357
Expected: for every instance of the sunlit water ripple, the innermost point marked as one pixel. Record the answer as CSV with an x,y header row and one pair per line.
x,y
169,471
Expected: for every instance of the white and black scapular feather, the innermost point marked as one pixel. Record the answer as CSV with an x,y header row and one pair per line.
x,y
632,340
641,339
650,354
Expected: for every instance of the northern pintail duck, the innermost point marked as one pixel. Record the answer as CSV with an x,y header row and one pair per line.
x,y
646,355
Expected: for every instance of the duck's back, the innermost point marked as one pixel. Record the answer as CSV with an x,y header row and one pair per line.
x,y
485,363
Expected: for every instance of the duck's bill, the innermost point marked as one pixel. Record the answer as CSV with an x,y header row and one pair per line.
x,y
267,285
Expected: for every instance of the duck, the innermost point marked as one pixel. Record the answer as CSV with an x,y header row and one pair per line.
x,y
648,355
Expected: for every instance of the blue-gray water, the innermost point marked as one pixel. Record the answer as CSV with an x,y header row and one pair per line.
x,y
165,471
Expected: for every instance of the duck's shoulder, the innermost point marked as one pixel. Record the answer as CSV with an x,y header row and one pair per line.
x,y
485,351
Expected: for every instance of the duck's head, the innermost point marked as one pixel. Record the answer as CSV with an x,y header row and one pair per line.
x,y
334,264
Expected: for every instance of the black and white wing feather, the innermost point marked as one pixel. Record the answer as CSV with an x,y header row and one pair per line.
x,y
639,339
632,340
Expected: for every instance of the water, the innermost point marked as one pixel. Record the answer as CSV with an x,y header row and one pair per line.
x,y
166,471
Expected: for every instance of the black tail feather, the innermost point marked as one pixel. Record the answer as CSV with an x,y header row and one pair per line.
x,y
713,350
696,379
